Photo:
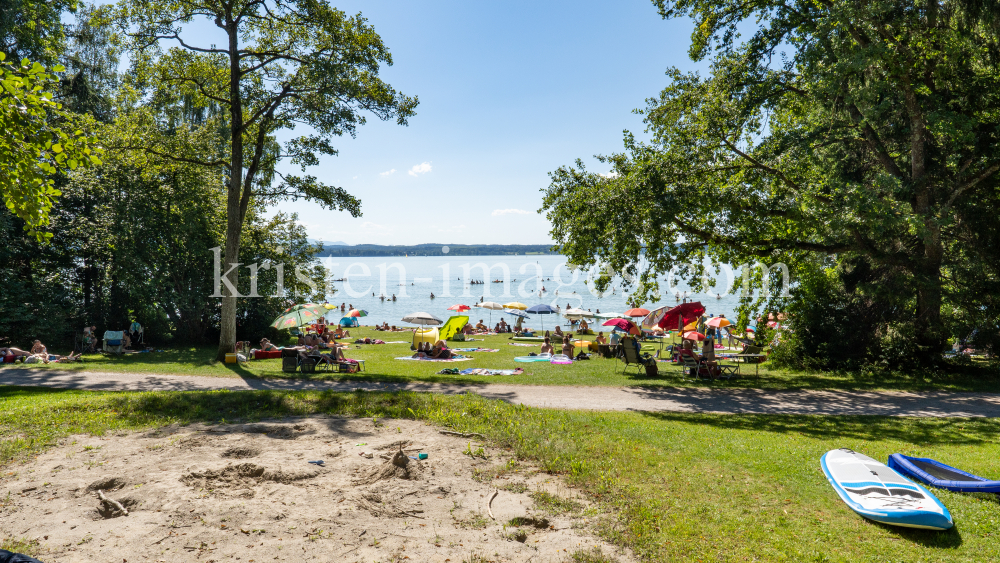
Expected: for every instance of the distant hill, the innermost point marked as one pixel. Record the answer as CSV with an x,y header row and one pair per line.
x,y
361,250
334,243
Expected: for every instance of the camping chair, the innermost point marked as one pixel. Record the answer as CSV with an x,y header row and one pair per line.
x,y
692,365
630,355
114,341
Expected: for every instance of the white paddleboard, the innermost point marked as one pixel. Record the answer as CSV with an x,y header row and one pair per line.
x,y
877,492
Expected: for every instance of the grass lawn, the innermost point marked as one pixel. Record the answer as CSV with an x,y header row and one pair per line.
x,y
381,365
679,487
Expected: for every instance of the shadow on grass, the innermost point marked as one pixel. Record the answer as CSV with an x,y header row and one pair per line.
x,y
946,539
922,433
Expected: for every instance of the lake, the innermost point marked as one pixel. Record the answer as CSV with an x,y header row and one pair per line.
x,y
529,279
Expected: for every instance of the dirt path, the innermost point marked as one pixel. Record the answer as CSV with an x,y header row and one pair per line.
x,y
887,403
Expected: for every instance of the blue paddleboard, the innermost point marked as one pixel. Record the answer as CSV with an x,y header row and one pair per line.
x,y
878,493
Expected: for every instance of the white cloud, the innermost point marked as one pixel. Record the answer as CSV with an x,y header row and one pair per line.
x,y
497,212
611,175
387,172
422,168
355,177
373,226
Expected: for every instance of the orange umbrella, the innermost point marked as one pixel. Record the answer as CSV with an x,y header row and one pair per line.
x,y
637,312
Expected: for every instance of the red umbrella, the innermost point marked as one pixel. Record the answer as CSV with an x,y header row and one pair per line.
x,y
637,312
683,313
622,324
692,335
460,308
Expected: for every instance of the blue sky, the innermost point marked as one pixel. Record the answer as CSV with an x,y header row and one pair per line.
x,y
509,91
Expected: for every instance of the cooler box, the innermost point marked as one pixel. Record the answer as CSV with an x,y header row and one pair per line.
x,y
231,358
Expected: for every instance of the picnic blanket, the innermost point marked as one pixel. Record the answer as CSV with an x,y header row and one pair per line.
x,y
523,344
476,349
485,371
455,359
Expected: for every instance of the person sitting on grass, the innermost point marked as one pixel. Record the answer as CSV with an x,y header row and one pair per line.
x,y
37,348
341,333
558,332
600,338
567,347
496,329
547,347
584,327
467,329
480,327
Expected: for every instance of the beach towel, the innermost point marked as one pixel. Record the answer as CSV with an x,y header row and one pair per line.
x,y
485,371
523,344
455,359
476,349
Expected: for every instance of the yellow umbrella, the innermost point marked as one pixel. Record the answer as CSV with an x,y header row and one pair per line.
x,y
515,305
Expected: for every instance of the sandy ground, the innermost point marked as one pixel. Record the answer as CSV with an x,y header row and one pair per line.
x,y
689,399
246,492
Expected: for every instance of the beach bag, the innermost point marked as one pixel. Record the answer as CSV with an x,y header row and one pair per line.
x,y
31,360
652,370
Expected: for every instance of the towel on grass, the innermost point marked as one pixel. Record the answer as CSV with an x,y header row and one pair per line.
x,y
476,349
485,371
455,359
523,344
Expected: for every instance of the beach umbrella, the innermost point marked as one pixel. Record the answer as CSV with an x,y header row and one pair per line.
x,y
459,307
517,313
515,305
637,312
623,324
542,309
751,329
357,313
492,306
423,319
718,322
680,315
693,335
299,315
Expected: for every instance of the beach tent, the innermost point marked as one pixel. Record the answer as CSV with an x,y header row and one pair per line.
x,y
453,326
349,322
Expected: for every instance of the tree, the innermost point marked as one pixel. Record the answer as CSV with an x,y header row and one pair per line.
x,y
863,131
39,141
282,63
30,29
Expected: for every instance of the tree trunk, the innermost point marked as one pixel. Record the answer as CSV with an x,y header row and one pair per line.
x,y
234,213
930,329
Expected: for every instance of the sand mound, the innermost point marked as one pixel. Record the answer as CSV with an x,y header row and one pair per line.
x,y
243,475
242,452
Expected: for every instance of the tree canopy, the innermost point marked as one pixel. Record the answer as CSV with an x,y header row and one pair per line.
x,y
861,135
39,141
280,64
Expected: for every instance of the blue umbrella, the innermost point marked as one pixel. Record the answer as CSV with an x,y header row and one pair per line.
x,y
542,309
